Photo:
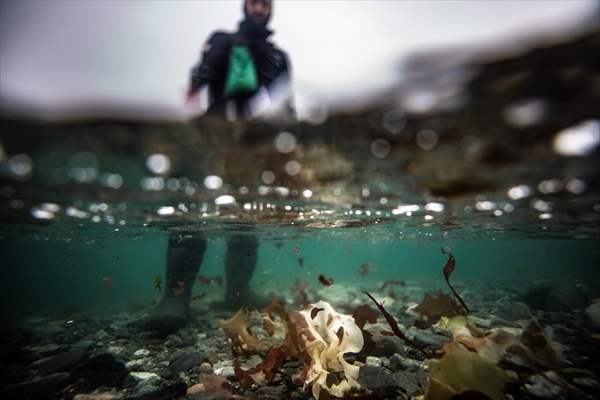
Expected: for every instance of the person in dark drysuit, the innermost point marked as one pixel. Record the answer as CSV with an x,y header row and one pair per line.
x,y
239,75
242,72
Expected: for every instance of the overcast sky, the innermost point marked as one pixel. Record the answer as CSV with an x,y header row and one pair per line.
x,y
53,53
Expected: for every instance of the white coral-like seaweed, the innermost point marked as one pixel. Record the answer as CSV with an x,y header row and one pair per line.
x,y
322,342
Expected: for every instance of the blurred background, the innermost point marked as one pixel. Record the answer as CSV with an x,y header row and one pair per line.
x,y
100,57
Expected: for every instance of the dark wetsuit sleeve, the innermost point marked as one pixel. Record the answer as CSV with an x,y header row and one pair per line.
x,y
275,68
278,72
212,61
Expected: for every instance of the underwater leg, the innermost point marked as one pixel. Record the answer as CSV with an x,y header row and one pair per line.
x,y
185,252
240,263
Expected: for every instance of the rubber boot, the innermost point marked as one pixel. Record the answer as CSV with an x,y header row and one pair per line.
x,y
240,263
184,256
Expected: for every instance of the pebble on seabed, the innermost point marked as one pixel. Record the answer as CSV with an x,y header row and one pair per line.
x,y
205,368
373,361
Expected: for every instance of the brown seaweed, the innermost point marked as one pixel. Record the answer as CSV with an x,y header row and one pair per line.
x,y
237,329
394,325
448,269
436,306
326,281
263,372
363,314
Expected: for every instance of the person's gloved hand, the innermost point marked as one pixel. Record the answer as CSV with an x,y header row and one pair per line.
x,y
260,104
191,96
197,100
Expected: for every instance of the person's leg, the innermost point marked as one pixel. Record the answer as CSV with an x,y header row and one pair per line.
x,y
240,263
184,256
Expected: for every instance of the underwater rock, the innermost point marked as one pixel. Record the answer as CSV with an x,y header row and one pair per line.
x,y
480,322
385,362
168,392
115,349
62,362
578,373
269,393
173,340
380,382
101,335
227,371
183,360
545,387
147,378
593,314
103,369
386,346
512,311
426,338
373,361
555,297
141,353
206,368
498,322
399,363
123,329
220,365
138,363
148,389
588,383
48,350
515,363
84,344
413,383
99,396
56,332
44,386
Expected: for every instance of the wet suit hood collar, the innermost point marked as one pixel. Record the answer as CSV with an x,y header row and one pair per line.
x,y
254,32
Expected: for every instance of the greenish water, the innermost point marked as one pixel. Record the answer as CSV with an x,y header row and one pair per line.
x,y
54,274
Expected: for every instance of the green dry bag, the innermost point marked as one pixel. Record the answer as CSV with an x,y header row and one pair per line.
x,y
241,76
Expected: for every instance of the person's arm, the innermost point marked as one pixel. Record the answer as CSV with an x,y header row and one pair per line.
x,y
211,62
276,95
283,84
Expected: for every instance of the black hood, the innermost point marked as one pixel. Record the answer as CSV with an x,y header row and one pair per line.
x,y
252,30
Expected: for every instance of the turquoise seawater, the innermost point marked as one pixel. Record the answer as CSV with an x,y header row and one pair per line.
x,y
58,274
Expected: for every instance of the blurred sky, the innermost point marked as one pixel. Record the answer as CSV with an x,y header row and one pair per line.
x,y
54,54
